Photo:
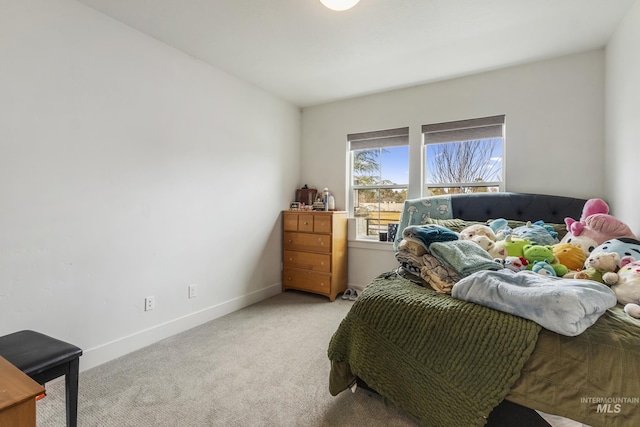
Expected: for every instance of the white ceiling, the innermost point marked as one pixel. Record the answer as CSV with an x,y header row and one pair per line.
x,y
307,54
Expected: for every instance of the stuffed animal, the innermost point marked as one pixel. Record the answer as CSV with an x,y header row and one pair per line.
x,y
477,230
537,233
533,253
625,247
569,255
513,245
483,241
632,310
627,288
501,228
596,223
611,277
591,207
515,263
490,246
544,268
587,244
602,227
597,265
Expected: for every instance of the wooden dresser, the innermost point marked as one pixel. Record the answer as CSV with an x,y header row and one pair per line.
x,y
315,252
17,397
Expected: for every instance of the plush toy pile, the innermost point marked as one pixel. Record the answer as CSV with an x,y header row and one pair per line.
x,y
597,247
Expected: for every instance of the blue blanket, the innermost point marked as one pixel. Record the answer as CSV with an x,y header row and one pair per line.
x,y
464,256
425,235
564,306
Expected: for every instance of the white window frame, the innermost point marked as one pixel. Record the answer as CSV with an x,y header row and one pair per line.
x,y
371,140
463,131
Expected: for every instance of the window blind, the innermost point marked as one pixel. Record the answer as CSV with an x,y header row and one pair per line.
x,y
378,139
464,130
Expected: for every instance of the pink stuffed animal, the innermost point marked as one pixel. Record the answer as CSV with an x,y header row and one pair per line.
x,y
595,225
591,207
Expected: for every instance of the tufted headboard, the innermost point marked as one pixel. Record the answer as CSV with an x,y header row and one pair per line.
x,y
485,206
518,206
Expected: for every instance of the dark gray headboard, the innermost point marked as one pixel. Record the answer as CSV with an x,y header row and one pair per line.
x,y
518,206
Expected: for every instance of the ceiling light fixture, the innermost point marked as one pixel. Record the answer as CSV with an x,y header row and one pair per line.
x,y
339,4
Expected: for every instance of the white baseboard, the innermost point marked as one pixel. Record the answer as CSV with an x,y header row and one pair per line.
x,y
105,352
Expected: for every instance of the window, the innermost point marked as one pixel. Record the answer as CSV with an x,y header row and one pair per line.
x,y
464,156
379,178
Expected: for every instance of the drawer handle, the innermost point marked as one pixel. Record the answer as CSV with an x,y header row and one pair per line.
x,y
290,259
289,241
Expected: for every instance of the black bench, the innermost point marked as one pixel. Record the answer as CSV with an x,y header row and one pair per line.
x,y
43,359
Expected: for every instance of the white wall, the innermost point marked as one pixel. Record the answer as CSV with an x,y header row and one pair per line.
x,y
554,129
623,119
119,160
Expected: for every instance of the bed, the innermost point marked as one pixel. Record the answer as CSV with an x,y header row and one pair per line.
x,y
451,362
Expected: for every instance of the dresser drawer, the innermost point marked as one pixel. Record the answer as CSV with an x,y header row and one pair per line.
x,y
307,261
306,280
307,242
301,222
290,222
322,224
305,222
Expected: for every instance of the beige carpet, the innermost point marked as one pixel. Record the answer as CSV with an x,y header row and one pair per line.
x,y
265,365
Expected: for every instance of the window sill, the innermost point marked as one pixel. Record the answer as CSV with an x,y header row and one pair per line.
x,y
371,244
364,243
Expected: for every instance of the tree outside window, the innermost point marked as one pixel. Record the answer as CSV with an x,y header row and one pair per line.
x,y
464,156
377,190
464,166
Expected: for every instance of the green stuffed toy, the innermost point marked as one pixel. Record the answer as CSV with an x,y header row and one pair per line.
x,y
534,253
513,245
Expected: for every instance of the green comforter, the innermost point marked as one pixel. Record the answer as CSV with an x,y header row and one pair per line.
x,y
593,378
445,361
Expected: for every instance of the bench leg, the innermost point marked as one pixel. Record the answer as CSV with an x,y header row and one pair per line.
x,y
71,388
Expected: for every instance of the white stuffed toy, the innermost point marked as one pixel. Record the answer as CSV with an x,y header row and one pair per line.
x,y
490,246
627,288
515,263
477,230
586,243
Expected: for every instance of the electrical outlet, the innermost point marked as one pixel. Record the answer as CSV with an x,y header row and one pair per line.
x,y
193,291
149,303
